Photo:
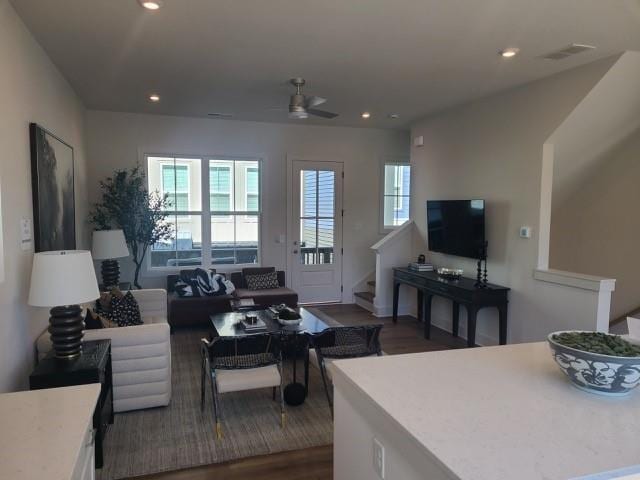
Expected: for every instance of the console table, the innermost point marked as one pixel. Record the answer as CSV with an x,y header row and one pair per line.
x,y
93,366
462,291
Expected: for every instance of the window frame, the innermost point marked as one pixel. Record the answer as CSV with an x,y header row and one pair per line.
x,y
206,213
402,161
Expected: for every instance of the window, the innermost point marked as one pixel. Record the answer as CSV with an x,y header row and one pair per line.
x,y
235,220
317,216
396,194
220,188
222,230
179,180
175,184
252,189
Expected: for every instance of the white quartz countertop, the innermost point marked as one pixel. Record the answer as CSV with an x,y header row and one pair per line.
x,y
43,431
500,413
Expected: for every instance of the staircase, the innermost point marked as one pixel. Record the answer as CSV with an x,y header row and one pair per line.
x,y
366,299
394,250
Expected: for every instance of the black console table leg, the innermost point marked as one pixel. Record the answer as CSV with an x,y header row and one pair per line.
x,y
420,300
472,314
306,371
502,313
426,315
396,294
456,319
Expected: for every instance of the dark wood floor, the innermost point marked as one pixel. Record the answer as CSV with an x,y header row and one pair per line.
x,y
317,463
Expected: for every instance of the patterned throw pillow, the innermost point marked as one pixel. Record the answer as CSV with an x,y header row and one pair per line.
x,y
125,311
262,281
201,283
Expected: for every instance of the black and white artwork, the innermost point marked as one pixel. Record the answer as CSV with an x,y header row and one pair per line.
x,y
53,191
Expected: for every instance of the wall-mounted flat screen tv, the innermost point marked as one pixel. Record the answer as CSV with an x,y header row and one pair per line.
x,y
456,227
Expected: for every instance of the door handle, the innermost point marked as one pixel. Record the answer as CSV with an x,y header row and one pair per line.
x,y
295,251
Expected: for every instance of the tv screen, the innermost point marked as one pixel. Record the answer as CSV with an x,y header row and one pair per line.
x,y
456,227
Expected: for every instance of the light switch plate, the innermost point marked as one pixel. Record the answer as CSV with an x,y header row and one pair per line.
x,y
378,458
25,234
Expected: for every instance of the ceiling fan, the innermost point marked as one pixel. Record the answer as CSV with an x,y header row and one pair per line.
x,y
301,106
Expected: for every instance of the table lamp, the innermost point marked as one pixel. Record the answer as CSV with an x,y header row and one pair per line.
x,y
108,245
62,280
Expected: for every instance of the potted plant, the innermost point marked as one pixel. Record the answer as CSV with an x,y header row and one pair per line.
x,y
128,205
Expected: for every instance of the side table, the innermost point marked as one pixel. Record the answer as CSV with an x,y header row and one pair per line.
x,y
93,366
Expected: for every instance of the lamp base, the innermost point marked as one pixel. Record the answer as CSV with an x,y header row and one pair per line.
x,y
66,326
110,270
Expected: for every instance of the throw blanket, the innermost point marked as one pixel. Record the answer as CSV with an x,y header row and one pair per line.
x,y
203,283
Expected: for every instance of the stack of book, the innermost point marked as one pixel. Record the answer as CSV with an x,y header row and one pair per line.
x,y
421,267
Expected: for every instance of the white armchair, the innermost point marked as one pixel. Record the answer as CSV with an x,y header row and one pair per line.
x,y
140,355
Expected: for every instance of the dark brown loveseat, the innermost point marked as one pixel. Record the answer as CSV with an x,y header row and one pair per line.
x,y
267,297
190,311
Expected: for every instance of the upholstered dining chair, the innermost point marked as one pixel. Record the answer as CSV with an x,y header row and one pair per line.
x,y
343,342
241,363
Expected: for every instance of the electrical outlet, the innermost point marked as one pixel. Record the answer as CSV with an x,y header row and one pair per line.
x,y
378,458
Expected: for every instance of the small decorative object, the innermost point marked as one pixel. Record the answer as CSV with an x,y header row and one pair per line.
x,y
62,280
481,278
450,273
127,205
597,362
252,323
421,259
108,246
285,315
54,214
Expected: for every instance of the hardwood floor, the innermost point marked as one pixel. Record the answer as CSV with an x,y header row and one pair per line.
x,y
308,464
317,463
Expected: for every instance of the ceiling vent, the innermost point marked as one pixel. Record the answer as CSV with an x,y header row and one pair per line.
x,y
219,115
568,51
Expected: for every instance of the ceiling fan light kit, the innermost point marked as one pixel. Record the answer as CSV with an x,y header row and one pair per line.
x,y
301,105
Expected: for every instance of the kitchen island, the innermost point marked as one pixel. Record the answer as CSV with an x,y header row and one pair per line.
x,y
48,434
493,413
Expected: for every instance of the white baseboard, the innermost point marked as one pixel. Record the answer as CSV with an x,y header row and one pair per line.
x,y
387,311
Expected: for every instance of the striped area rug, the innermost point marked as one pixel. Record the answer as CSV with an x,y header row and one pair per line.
x,y
181,435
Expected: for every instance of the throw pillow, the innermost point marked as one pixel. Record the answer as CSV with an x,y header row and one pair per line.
x,y
92,320
201,283
125,311
262,281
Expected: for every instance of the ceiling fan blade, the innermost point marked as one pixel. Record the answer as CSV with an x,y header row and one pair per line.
x,y
313,101
321,113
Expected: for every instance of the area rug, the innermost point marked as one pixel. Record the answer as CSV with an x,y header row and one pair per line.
x,y
181,435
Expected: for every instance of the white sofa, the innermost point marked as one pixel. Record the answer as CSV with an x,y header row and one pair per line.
x,y
140,355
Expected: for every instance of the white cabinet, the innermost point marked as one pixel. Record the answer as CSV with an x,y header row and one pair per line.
x,y
48,433
85,466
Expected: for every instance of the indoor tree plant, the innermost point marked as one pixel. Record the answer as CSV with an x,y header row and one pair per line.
x,y
127,204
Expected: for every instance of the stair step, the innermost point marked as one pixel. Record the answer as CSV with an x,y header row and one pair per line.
x,y
368,296
371,283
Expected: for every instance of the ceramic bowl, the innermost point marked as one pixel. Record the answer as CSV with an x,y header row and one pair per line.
x,y
594,372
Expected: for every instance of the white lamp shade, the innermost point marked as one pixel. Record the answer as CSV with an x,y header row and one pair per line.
x,y
109,244
62,278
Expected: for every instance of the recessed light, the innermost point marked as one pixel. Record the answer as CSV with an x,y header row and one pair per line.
x,y
365,115
393,116
154,98
150,4
509,52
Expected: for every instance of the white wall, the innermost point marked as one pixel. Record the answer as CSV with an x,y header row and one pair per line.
x,y
492,149
596,230
118,140
31,90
